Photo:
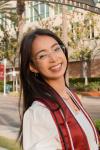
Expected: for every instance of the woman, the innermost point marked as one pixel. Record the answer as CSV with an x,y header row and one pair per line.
x,y
53,117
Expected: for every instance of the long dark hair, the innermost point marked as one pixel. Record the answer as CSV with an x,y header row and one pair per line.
x,y
33,86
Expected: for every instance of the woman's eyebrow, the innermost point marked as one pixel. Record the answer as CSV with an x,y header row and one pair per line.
x,y
43,50
54,45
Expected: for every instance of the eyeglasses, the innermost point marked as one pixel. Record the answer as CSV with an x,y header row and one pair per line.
x,y
45,54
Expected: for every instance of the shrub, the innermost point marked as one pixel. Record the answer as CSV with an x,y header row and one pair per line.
x,y
9,84
1,86
97,124
78,84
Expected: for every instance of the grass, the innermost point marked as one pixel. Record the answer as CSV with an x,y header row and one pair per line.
x,y
9,144
97,124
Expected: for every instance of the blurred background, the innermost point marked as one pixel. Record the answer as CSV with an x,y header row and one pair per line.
x,y
77,23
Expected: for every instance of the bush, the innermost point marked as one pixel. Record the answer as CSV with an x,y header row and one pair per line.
x,y
1,86
95,86
78,84
9,84
97,124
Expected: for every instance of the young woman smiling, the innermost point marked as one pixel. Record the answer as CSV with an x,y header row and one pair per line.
x,y
53,117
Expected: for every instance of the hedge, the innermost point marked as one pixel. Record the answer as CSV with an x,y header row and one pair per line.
x,y
78,84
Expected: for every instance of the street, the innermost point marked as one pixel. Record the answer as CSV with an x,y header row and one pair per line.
x,y
9,111
92,105
9,115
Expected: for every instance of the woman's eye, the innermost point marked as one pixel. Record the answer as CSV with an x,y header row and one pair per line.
x,y
57,49
42,56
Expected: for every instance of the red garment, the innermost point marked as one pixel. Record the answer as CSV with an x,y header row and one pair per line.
x,y
71,134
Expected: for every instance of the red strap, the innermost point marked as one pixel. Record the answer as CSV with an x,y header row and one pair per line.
x,y
59,122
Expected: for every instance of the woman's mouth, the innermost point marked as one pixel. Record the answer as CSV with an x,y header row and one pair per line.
x,y
56,67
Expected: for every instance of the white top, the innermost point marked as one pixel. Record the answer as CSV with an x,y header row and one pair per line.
x,y
84,123
40,131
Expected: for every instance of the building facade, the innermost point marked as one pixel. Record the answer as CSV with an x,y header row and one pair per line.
x,y
39,14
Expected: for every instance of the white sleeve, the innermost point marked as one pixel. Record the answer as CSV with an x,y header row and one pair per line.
x,y
39,129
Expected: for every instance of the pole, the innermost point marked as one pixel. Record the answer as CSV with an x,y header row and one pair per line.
x,y
5,61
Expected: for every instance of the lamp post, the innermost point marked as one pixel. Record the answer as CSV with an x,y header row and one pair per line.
x,y
14,78
5,62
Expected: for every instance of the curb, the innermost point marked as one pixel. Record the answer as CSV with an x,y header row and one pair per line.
x,y
93,97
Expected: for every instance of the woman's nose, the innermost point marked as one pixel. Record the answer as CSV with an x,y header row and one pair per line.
x,y
52,56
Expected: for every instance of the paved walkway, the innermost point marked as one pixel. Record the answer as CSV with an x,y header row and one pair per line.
x,y
1,148
9,131
9,119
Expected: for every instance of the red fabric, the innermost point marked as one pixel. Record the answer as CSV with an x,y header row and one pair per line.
x,y
78,136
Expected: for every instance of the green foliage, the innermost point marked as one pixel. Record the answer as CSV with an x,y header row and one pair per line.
x,y
82,54
9,144
94,86
78,84
97,124
9,86
1,86
8,45
79,36
75,80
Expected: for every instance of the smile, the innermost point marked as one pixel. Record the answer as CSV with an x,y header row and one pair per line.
x,y
56,67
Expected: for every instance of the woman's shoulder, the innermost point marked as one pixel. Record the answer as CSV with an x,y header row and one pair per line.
x,y
36,111
37,105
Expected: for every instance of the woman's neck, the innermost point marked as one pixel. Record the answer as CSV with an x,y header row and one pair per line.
x,y
58,85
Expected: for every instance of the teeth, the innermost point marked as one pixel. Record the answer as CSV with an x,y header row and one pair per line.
x,y
56,67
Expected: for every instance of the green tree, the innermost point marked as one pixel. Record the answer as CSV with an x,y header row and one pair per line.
x,y
83,42
9,37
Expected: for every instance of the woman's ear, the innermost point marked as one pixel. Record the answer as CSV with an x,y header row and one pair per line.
x,y
33,68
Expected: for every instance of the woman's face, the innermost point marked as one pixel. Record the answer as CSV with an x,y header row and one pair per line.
x,y
48,58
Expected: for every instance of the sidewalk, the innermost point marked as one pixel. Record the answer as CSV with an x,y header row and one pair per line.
x,y
9,132
9,116
1,148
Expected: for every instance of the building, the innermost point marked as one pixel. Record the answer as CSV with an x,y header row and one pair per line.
x,y
39,14
53,15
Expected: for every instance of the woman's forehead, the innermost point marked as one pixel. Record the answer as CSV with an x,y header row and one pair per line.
x,y
43,42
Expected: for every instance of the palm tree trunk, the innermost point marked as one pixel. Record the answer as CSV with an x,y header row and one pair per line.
x,y
64,34
20,11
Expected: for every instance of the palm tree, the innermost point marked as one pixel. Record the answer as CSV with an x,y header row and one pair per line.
x,y
65,33
20,10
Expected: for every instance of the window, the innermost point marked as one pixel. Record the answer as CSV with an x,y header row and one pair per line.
x,y
40,10
31,11
58,9
46,10
36,10
70,8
